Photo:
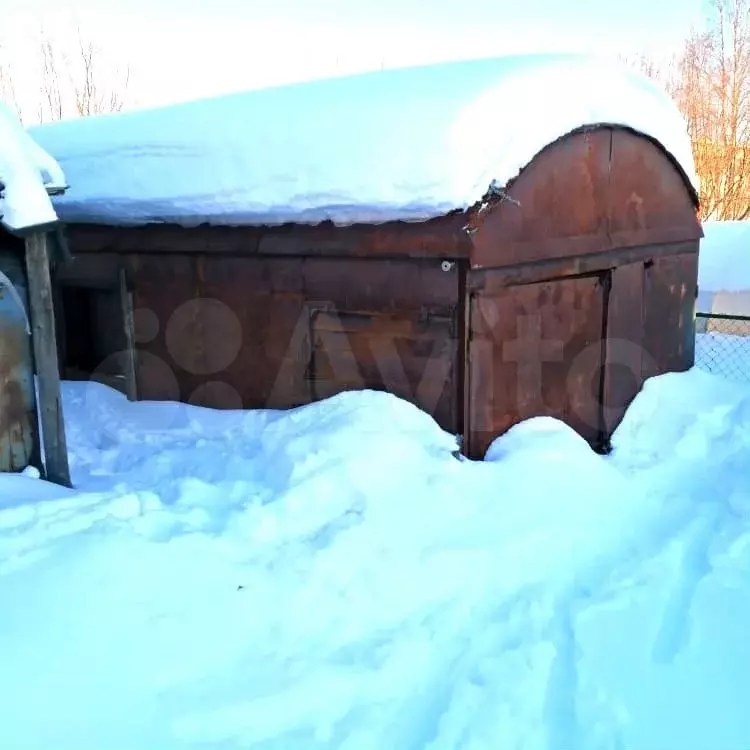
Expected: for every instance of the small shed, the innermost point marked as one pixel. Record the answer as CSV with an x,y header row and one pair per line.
x,y
492,240
28,176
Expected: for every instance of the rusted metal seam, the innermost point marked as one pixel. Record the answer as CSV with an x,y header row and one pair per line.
x,y
609,187
641,253
602,438
461,314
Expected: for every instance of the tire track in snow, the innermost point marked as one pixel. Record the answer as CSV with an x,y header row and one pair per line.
x,y
715,518
674,632
561,710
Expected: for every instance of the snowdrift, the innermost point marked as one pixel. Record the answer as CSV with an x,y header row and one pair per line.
x,y
334,577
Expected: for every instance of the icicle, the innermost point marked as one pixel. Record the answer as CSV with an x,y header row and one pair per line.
x,y
6,282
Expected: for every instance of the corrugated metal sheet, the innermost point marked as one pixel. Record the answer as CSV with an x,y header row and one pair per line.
x,y
18,424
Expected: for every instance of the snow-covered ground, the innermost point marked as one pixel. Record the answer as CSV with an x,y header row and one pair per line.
x,y
334,577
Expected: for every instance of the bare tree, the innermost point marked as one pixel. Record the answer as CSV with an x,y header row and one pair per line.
x,y
710,82
79,82
712,89
94,95
51,103
645,64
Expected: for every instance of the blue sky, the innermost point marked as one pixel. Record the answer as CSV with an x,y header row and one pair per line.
x,y
180,49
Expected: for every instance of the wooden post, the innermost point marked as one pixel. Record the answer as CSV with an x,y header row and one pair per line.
x,y
46,357
126,303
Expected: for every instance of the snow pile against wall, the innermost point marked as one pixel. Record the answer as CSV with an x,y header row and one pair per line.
x,y
27,173
332,578
400,144
724,268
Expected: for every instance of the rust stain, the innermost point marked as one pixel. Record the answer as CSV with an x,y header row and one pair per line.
x,y
16,407
635,211
589,193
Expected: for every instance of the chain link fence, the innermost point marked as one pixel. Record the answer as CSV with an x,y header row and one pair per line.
x,y
722,345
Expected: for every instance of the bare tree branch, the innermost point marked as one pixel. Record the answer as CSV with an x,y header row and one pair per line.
x,y
78,82
710,81
51,90
94,95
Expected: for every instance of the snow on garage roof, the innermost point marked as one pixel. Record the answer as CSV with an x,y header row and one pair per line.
x,y
27,175
407,144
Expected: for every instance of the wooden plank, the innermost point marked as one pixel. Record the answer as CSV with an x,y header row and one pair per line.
x,y
129,362
45,355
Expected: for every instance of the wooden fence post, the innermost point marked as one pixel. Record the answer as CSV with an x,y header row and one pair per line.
x,y
46,358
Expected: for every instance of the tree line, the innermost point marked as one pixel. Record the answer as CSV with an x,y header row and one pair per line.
x,y
74,79
709,79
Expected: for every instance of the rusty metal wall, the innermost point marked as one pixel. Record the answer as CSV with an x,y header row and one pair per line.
x,y
594,251
274,332
670,290
535,350
575,346
591,192
440,238
594,246
18,422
